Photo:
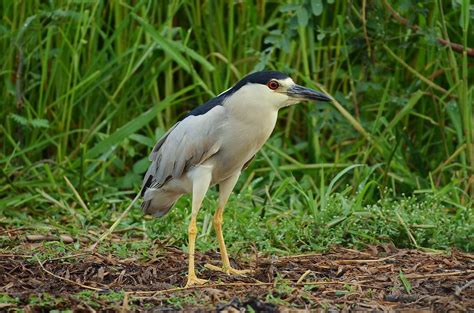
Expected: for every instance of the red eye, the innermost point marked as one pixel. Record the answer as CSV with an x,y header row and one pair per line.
x,y
273,85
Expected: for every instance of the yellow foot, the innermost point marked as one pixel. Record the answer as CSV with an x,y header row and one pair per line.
x,y
228,270
193,281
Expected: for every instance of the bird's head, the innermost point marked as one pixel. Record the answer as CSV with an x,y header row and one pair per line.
x,y
275,89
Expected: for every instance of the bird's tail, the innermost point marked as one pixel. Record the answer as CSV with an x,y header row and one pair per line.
x,y
158,202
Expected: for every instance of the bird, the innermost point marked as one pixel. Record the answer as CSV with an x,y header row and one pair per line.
x,y
212,145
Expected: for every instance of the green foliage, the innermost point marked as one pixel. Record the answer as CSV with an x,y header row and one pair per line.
x,y
406,283
88,86
35,123
4,299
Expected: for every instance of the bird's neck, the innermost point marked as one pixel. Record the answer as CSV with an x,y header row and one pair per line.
x,y
248,108
253,113
255,123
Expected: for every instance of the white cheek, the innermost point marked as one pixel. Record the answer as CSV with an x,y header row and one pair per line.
x,y
284,101
279,99
291,101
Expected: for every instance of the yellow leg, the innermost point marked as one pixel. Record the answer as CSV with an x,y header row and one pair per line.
x,y
192,278
201,179
226,268
217,222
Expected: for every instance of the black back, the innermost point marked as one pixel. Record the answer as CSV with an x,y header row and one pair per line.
x,y
262,77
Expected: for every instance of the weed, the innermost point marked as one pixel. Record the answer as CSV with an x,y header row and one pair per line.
x,y
7,299
181,302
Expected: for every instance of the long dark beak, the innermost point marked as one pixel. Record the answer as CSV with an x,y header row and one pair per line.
x,y
303,93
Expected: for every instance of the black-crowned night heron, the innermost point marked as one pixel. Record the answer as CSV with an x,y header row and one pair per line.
x,y
212,145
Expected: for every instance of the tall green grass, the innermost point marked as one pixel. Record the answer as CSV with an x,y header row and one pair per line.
x,y
88,86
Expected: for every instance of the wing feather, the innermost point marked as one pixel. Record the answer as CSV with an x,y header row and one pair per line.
x,y
188,143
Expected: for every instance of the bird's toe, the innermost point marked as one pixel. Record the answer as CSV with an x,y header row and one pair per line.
x,y
193,281
233,271
228,270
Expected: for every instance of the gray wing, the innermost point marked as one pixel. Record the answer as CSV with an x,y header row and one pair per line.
x,y
188,143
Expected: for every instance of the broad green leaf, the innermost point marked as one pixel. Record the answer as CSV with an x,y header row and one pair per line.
x,y
193,55
302,16
141,166
147,141
317,7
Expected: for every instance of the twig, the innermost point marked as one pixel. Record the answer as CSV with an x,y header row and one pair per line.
x,y
14,230
65,279
454,46
412,239
418,276
125,307
354,251
155,292
459,290
126,229
78,197
241,284
317,283
366,261
70,256
63,238
296,256
303,276
114,225
15,256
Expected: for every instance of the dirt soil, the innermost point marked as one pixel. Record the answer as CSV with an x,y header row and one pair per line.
x,y
379,279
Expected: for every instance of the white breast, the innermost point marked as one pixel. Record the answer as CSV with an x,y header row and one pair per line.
x,y
249,123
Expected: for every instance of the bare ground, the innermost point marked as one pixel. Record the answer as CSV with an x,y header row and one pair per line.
x,y
379,279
